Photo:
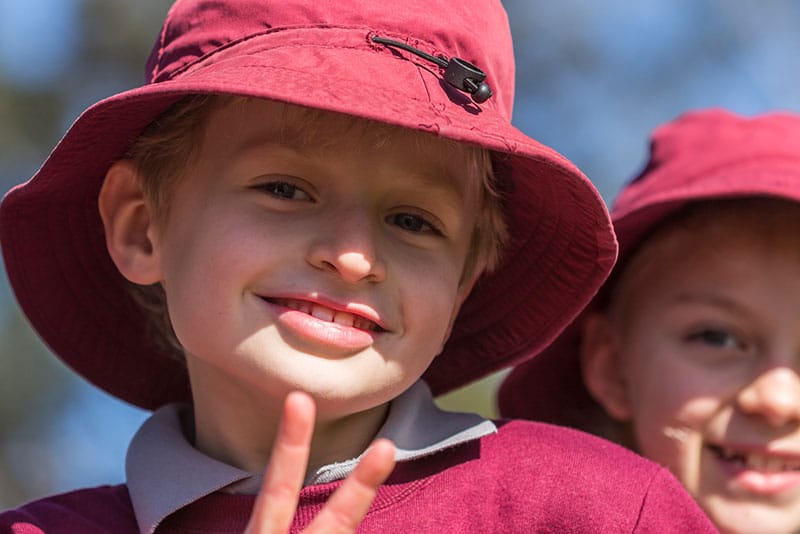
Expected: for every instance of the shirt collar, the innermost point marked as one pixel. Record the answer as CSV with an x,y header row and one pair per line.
x,y
418,428
165,472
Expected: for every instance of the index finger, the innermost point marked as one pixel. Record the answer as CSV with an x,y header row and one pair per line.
x,y
276,503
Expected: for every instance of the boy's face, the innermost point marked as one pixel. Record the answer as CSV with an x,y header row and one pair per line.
x,y
333,268
705,340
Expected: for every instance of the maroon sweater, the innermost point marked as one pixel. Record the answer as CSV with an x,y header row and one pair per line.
x,y
529,477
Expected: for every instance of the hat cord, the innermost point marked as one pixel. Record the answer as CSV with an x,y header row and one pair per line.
x,y
459,73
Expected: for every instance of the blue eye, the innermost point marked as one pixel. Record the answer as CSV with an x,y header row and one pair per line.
x,y
412,223
284,190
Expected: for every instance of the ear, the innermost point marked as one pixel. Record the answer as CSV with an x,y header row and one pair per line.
x,y
129,224
601,366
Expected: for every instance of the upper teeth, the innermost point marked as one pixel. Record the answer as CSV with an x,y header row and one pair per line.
x,y
327,314
758,461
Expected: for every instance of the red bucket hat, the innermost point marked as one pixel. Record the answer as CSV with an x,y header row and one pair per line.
x,y
411,63
702,155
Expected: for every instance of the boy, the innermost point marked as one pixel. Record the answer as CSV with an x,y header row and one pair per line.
x,y
303,197
689,354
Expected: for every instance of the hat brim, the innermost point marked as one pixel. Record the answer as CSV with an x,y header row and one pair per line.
x,y
54,246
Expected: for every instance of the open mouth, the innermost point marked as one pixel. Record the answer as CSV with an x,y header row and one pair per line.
x,y
755,461
324,313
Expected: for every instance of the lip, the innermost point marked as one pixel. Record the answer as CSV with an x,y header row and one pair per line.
x,y
365,311
330,327
758,470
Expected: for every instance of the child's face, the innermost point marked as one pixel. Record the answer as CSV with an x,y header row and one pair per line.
x,y
329,268
705,344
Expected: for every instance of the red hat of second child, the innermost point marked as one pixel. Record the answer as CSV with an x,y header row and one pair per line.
x,y
700,156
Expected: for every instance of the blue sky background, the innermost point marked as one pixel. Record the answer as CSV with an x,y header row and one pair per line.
x,y
594,78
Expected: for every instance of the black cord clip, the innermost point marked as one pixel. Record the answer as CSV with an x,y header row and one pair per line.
x,y
459,73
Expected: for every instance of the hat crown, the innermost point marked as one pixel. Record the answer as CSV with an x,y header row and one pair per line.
x,y
476,31
689,155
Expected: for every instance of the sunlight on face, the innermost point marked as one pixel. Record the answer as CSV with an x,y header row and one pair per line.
x,y
707,316
326,259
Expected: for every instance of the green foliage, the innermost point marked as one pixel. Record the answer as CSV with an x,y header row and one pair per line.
x,y
477,397
32,383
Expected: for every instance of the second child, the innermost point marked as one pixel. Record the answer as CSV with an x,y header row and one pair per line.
x,y
690,354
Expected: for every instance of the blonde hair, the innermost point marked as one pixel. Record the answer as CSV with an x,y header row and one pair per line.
x,y
170,144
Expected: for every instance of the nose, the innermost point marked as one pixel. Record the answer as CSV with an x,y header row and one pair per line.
x,y
348,247
774,395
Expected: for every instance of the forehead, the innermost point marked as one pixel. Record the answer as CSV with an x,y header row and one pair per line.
x,y
763,224
247,124
716,242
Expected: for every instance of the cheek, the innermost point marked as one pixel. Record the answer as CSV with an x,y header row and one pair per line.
x,y
429,298
672,412
199,296
206,272
662,379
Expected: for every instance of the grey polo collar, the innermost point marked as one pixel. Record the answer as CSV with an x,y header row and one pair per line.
x,y
165,472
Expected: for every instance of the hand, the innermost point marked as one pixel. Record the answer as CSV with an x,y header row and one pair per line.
x,y
277,501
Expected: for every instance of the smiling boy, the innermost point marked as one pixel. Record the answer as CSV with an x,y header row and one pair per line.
x,y
330,198
330,261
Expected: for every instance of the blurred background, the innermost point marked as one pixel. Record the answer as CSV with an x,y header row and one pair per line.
x,y
593,79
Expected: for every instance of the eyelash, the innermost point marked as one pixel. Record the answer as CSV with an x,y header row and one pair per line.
x,y
717,338
273,188
409,222
420,225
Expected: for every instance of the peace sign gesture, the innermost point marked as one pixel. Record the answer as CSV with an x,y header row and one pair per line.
x,y
277,501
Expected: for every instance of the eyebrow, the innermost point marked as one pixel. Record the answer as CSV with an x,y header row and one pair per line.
x,y
442,181
290,139
294,140
294,131
712,299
